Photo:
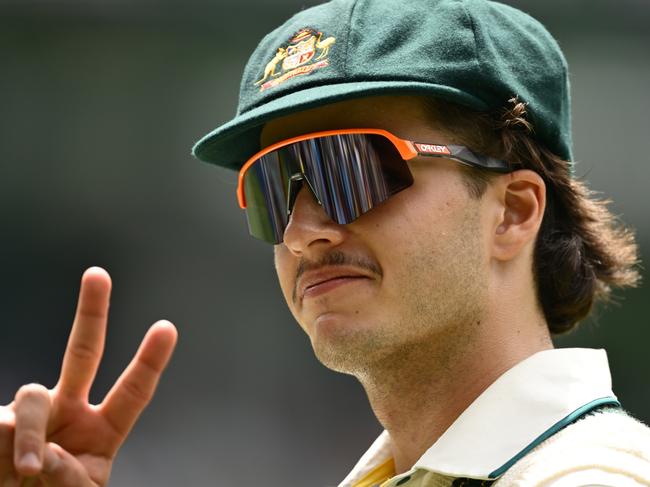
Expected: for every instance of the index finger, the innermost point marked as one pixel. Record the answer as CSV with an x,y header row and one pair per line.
x,y
86,343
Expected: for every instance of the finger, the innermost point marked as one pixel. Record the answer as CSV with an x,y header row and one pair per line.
x,y
86,342
137,384
62,469
7,422
32,411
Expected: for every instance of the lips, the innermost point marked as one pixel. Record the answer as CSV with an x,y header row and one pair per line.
x,y
327,278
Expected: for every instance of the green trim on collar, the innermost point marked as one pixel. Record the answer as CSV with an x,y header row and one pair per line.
x,y
574,416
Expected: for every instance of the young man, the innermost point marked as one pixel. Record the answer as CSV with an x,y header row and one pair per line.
x,y
411,164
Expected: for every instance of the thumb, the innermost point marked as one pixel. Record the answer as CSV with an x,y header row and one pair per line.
x,y
61,469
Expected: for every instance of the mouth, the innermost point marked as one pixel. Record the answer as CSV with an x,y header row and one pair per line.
x,y
329,285
316,283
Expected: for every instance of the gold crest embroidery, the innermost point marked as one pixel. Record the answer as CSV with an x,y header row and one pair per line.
x,y
298,57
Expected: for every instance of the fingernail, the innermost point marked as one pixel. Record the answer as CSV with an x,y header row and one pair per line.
x,y
30,463
10,481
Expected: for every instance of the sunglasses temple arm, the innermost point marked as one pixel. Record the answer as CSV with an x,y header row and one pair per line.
x,y
465,156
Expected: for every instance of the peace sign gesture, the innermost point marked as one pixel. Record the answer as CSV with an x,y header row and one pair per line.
x,y
54,437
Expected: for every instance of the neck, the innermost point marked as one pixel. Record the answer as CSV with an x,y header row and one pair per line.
x,y
418,392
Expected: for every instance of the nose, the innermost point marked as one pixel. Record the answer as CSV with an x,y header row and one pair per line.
x,y
310,228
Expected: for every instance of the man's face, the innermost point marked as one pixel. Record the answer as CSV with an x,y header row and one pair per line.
x,y
408,277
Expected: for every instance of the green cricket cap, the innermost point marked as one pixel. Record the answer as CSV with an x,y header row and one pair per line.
x,y
475,53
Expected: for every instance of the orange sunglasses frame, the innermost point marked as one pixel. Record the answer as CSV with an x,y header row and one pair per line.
x,y
406,148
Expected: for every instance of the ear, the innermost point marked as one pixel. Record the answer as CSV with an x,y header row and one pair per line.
x,y
522,197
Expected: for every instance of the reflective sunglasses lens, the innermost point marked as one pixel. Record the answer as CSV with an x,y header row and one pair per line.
x,y
348,173
352,173
265,187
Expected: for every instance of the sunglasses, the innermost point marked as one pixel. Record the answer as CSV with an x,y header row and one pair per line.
x,y
348,171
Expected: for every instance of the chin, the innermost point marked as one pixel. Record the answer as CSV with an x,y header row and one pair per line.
x,y
338,360
343,346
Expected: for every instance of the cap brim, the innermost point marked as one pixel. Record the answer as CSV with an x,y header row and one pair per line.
x,y
231,144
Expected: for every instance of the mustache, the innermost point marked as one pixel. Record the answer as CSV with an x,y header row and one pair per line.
x,y
334,258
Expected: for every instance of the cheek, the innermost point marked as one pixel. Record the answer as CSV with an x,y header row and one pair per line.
x,y
427,229
285,270
286,265
426,212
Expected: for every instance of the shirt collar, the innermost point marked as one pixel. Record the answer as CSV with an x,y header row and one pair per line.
x,y
523,407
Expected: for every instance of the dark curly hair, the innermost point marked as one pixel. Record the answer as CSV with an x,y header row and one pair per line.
x,y
582,250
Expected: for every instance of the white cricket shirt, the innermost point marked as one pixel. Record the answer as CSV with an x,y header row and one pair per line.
x,y
521,409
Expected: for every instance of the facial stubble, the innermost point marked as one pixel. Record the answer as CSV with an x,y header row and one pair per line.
x,y
430,318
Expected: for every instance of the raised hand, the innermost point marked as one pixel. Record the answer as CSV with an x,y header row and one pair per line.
x,y
54,437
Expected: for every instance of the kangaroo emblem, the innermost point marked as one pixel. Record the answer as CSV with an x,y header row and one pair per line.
x,y
269,70
305,52
324,46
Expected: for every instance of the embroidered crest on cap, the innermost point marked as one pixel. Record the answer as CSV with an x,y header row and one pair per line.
x,y
298,57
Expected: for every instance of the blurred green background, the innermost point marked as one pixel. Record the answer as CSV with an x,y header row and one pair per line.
x,y
100,102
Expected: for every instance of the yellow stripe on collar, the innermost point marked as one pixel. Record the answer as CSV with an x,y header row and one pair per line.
x,y
378,475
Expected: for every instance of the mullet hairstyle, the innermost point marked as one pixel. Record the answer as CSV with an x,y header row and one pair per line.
x,y
582,250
